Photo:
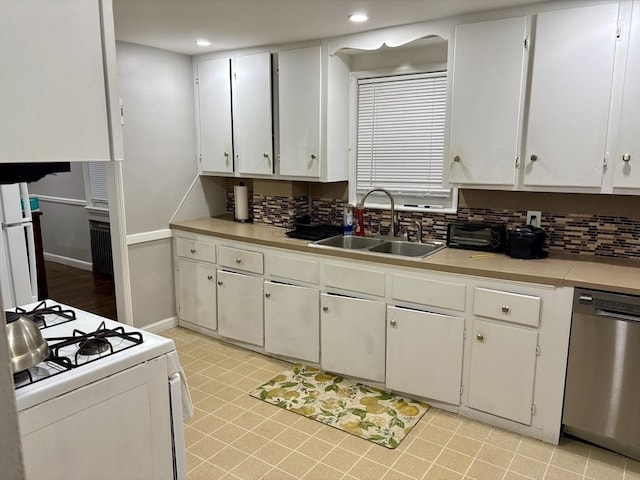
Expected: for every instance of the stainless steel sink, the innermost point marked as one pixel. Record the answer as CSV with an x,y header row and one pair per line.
x,y
408,249
349,242
401,248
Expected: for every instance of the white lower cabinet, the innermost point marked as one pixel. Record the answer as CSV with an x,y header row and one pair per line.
x,y
503,364
424,354
240,307
197,293
353,336
292,321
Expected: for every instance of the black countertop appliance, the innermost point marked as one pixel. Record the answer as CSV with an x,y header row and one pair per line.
x,y
526,243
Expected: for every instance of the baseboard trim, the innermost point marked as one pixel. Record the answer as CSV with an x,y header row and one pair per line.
x,y
71,262
162,325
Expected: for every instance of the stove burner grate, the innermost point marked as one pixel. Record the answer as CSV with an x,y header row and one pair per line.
x,y
40,311
94,346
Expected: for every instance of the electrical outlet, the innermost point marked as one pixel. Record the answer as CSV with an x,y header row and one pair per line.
x,y
534,218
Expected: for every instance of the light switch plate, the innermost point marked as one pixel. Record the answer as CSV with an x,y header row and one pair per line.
x,y
534,218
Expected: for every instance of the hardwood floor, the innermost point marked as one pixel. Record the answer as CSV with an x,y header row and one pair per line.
x,y
85,290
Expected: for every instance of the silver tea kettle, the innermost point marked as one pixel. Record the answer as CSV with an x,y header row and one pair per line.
x,y
27,347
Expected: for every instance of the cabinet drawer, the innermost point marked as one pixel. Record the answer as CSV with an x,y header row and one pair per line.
x,y
294,268
355,279
241,259
195,249
429,292
506,306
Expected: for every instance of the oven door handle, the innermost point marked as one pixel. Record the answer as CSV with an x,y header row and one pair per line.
x,y
616,315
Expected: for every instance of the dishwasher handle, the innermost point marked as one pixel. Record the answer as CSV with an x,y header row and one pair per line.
x,y
616,315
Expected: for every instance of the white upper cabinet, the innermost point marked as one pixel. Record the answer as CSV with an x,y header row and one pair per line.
x,y
214,111
626,154
571,80
299,98
489,66
55,87
252,117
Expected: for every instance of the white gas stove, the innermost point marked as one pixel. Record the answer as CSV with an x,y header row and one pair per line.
x,y
109,374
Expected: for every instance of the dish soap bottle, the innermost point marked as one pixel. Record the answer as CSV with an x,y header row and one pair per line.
x,y
347,224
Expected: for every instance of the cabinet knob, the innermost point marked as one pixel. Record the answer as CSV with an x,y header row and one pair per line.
x,y
325,309
226,154
393,323
238,260
313,156
534,157
457,158
193,250
626,157
219,282
209,277
480,337
267,294
265,155
505,309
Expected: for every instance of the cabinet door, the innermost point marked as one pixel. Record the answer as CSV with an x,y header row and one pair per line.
x,y
197,293
503,362
292,321
487,97
52,88
252,124
626,162
570,96
299,97
214,109
240,307
424,354
353,337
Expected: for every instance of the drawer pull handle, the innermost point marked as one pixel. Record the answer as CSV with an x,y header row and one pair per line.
x,y
219,282
313,156
505,309
457,158
238,260
534,157
393,323
480,337
267,294
325,309
209,277
193,250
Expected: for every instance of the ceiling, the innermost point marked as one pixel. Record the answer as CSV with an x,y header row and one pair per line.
x,y
231,24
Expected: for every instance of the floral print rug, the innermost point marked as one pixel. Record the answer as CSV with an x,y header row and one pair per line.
x,y
370,413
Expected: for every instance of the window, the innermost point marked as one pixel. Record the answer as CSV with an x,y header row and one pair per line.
x,y
400,138
97,182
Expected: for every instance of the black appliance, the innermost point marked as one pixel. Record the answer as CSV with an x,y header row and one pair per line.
x,y
30,172
485,237
526,243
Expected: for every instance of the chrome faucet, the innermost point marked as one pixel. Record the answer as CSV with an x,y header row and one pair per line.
x,y
392,228
419,227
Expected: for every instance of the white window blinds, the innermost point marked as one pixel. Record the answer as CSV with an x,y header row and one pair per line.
x,y
98,183
401,123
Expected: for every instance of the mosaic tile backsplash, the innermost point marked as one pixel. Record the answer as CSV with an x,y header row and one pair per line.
x,y
580,234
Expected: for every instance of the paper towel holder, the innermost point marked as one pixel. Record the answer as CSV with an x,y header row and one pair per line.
x,y
241,203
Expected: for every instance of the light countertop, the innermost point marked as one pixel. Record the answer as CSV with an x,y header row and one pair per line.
x,y
622,277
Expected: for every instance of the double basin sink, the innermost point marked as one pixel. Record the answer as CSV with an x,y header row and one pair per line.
x,y
401,248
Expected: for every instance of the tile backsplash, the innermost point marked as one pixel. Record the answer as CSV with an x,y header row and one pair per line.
x,y
569,233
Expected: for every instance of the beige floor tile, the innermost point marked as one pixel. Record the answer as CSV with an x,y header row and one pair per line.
x,y
607,457
535,449
395,475
366,469
554,473
230,411
356,445
230,377
503,439
246,384
331,435
248,420
192,461
465,445
207,447
569,461
476,430
435,434
198,414
212,387
228,433
269,429
214,371
209,424
191,436
315,448
569,445
261,408
291,438
197,380
229,394
480,470
211,404
383,455
244,369
322,472
286,417
424,450
528,466
306,425
251,469
453,460
227,458
633,466
273,453
446,420
495,455
197,395
340,459
228,363
277,474
206,471
514,476
412,466
603,471
297,464
437,472
250,443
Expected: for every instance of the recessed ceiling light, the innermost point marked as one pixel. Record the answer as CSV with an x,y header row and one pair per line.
x,y
359,17
202,43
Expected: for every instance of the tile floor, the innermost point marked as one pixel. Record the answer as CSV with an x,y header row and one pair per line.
x,y
234,436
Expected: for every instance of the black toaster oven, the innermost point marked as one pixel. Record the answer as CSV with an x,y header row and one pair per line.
x,y
485,237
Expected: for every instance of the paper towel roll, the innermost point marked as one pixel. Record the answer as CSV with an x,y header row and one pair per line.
x,y
242,203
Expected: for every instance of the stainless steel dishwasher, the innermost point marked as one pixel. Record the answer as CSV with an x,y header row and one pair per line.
x,y
602,393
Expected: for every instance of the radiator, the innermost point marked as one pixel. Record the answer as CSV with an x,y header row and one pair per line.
x,y
101,255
